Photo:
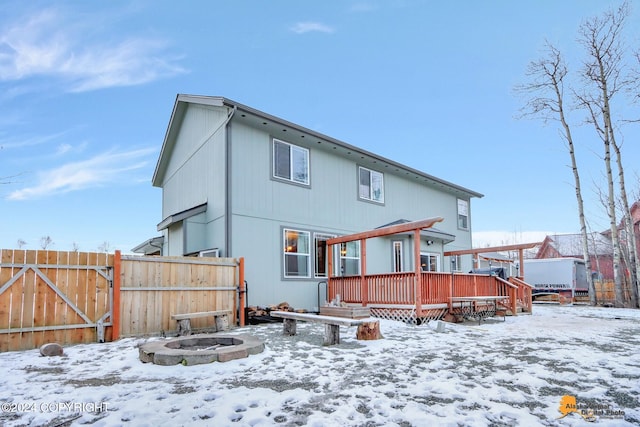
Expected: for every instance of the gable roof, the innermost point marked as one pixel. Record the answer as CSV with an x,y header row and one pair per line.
x,y
255,117
570,245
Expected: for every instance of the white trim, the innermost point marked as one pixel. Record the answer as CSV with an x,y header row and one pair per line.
x,y
397,244
211,253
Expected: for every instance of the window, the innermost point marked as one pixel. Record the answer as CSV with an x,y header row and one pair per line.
x,y
349,259
370,185
429,262
397,256
290,162
320,245
463,214
297,253
456,263
210,253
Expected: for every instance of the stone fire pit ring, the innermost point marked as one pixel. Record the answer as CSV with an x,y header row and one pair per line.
x,y
200,349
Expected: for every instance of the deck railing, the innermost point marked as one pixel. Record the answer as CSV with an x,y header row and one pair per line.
x,y
524,293
435,288
393,288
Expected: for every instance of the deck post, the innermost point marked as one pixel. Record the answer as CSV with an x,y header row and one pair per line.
x,y
364,289
521,259
417,288
329,272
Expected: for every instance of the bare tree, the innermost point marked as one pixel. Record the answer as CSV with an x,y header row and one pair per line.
x,y
104,247
75,247
545,93
602,71
45,242
21,243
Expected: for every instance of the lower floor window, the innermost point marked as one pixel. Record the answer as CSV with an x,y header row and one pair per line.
x,y
321,253
349,259
297,253
429,262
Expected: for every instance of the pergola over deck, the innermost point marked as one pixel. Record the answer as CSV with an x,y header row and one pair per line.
x,y
415,227
518,247
424,294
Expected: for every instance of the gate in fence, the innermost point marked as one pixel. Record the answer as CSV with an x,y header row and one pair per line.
x,y
51,296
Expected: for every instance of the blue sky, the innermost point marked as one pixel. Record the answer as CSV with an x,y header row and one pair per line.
x,y
87,89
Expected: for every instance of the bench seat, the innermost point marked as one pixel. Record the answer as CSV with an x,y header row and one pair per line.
x,y
332,324
184,320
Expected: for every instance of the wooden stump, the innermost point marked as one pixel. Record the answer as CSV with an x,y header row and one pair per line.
x,y
222,323
184,327
369,331
331,334
289,327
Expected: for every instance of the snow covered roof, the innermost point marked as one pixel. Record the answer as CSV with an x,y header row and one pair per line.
x,y
571,244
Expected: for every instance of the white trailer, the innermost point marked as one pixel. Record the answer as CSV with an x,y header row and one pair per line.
x,y
563,276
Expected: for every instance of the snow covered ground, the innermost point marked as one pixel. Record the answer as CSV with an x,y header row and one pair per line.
x,y
497,374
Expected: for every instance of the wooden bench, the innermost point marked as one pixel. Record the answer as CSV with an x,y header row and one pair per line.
x,y
367,328
184,320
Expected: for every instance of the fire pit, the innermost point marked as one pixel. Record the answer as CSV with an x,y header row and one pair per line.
x,y
199,349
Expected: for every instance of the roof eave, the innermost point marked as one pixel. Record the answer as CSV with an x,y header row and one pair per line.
x,y
217,101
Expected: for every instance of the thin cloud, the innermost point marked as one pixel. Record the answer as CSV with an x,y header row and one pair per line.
x,y
46,45
18,142
309,27
106,168
362,7
63,148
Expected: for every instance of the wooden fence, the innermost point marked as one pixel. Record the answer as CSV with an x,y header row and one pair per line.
x,y
80,297
153,288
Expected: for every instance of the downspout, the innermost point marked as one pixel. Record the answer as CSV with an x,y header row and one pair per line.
x,y
227,184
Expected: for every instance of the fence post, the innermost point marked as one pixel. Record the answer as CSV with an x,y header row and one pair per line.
x,y
242,290
115,315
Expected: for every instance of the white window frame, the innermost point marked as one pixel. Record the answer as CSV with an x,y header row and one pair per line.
x,y
317,237
398,256
213,253
343,255
287,252
463,214
430,255
370,188
294,151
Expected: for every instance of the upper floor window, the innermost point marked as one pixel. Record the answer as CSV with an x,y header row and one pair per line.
x,y
290,162
370,185
463,214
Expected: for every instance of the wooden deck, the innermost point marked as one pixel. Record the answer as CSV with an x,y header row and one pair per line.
x,y
416,294
428,296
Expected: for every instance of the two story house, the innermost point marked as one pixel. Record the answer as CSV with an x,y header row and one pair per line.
x,y
238,182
